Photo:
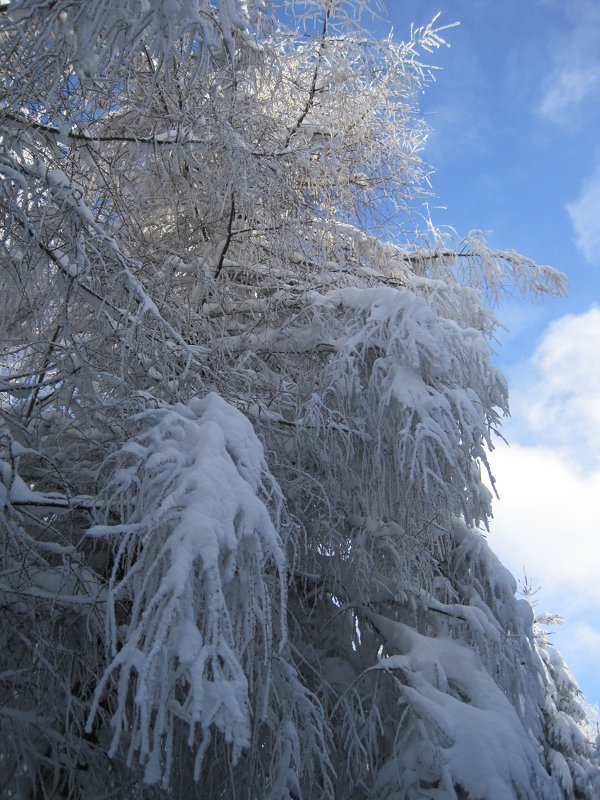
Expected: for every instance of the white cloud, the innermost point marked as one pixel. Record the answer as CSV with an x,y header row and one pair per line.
x,y
585,217
548,521
557,400
548,517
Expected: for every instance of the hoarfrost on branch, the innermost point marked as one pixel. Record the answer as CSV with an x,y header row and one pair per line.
x,y
246,401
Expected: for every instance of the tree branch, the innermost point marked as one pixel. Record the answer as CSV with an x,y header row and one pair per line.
x,y
228,238
313,86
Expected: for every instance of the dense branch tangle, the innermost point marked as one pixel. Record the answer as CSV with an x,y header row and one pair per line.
x,y
244,414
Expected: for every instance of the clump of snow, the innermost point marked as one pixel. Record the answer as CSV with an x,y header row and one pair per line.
x,y
483,746
198,556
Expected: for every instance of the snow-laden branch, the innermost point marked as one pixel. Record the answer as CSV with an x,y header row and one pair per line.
x,y
207,218
201,565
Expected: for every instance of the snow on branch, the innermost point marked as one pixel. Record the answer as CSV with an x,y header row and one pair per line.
x,y
198,576
419,390
195,197
490,272
98,39
479,742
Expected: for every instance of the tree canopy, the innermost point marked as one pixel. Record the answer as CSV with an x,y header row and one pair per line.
x,y
247,397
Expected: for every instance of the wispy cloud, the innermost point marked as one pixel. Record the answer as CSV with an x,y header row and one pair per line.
x,y
548,515
569,87
575,77
585,217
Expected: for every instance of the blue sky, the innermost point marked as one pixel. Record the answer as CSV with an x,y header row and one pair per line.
x,y
515,114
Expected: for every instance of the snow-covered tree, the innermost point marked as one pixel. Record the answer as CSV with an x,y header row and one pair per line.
x,y
246,402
